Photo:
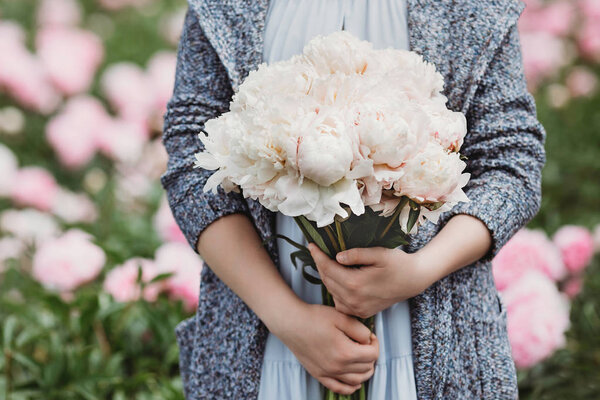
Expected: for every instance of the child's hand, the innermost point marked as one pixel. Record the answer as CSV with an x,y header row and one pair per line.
x,y
386,277
338,350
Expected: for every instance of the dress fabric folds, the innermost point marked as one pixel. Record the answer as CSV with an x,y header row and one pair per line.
x,y
289,26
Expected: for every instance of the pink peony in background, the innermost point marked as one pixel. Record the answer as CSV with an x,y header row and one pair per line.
x,y
527,250
9,166
589,33
573,286
74,207
576,245
121,281
75,132
36,187
10,248
537,317
68,261
186,265
22,74
165,224
581,82
59,12
29,225
70,55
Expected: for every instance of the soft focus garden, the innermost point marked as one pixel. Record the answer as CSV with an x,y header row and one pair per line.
x,y
94,272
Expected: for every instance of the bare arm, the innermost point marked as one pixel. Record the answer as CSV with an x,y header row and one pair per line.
x,y
232,248
462,241
334,348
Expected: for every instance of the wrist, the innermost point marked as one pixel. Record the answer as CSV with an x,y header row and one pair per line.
x,y
282,312
430,266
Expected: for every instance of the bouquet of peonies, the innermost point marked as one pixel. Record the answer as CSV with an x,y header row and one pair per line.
x,y
355,143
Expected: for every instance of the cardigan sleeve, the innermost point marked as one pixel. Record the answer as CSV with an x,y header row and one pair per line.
x,y
505,148
201,92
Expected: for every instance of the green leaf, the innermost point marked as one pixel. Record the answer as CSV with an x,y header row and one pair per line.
x,y
391,241
312,279
313,234
26,362
138,279
302,256
161,277
8,330
290,241
413,215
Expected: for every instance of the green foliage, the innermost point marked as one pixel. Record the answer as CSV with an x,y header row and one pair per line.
x,y
574,371
90,346
571,195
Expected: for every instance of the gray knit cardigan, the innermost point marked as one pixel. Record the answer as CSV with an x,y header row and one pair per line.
x,y
460,344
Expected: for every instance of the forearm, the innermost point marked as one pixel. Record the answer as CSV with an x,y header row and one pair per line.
x,y
233,250
463,240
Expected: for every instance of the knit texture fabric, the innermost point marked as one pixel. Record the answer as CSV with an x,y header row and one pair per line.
x,y
460,343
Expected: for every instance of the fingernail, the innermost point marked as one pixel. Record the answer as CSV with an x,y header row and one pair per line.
x,y
341,257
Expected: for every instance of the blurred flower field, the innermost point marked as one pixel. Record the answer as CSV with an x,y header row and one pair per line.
x,y
94,272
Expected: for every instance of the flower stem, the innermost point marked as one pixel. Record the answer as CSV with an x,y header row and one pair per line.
x,y
399,208
340,235
329,232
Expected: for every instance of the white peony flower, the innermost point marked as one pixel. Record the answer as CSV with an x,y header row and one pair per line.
x,y
447,127
433,175
337,128
338,52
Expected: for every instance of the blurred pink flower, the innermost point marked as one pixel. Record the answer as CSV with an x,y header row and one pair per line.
x,y
153,162
128,90
121,281
537,318
70,55
165,224
543,55
74,133
9,167
68,261
59,12
118,4
171,25
527,250
589,39
161,72
29,225
132,188
184,284
139,95
74,207
22,75
581,82
556,18
590,8
10,248
122,140
573,286
576,245
36,187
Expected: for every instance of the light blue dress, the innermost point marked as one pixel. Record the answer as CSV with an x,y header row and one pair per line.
x,y
290,25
